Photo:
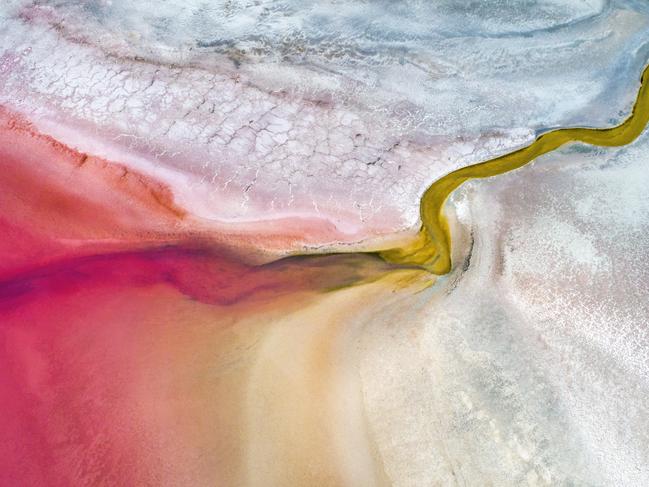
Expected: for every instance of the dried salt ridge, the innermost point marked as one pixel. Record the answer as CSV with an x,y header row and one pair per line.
x,y
330,121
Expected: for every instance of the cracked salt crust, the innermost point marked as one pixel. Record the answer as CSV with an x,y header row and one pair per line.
x,y
313,138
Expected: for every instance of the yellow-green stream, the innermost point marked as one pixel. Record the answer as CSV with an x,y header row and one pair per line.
x,y
432,247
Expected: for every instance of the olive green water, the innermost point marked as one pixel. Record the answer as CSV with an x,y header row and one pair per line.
x,y
432,247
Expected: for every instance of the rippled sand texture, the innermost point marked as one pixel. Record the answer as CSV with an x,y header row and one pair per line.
x,y
194,202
